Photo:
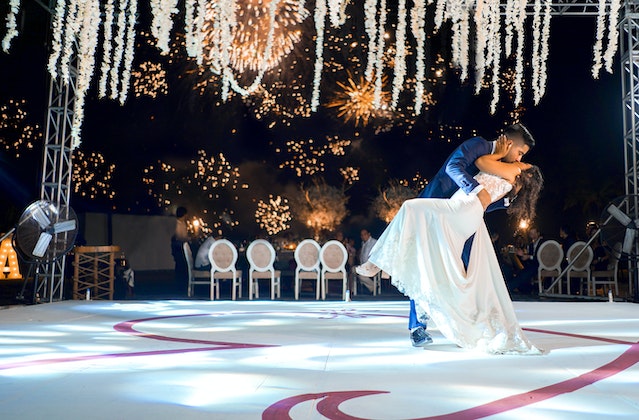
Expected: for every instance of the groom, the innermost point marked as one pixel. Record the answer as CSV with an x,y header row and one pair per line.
x,y
457,172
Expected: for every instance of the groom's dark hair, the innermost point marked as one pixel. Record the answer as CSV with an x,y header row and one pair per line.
x,y
519,130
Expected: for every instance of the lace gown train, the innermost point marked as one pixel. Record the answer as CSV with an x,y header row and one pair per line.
x,y
421,249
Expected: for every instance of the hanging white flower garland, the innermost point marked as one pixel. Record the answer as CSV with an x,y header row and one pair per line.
x,y
400,53
613,34
75,22
337,12
519,19
458,13
163,11
106,48
118,53
14,7
481,39
320,18
596,50
56,45
129,51
379,57
370,26
418,24
193,23
88,26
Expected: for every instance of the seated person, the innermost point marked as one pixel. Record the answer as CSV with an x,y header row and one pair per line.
x,y
202,258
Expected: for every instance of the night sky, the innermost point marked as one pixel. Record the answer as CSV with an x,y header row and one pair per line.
x,y
577,125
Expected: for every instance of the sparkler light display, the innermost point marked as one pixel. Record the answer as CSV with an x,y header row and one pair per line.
x,y
273,216
202,185
92,175
150,80
16,133
249,40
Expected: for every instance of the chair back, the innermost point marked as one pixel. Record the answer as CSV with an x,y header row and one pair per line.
x,y
222,255
307,255
581,263
261,255
333,256
188,256
550,255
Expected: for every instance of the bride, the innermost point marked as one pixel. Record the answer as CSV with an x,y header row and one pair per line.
x,y
422,246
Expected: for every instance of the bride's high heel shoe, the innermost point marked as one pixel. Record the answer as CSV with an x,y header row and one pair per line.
x,y
368,269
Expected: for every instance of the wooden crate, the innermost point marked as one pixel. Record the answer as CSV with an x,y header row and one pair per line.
x,y
94,270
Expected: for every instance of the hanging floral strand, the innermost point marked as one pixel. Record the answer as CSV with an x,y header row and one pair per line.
x,y
106,49
370,25
193,22
71,30
119,49
494,46
545,44
519,21
320,17
596,50
56,45
337,12
162,23
379,59
14,7
400,53
87,41
459,15
227,23
481,36
129,50
417,26
613,34
536,50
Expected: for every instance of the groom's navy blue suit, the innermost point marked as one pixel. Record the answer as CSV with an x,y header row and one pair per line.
x,y
457,172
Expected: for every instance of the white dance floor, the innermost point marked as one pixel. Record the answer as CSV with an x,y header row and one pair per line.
x,y
307,360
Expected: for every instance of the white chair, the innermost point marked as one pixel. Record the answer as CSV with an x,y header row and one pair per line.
x,y
308,265
333,256
223,257
609,276
261,256
581,265
195,276
550,255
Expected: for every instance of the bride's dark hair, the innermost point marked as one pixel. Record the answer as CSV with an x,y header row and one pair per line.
x,y
531,183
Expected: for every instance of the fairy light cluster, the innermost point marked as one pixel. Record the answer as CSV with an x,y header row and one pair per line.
x,y
16,133
306,157
350,174
273,215
204,182
92,175
150,80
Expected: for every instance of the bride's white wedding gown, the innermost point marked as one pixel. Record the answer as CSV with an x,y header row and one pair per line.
x,y
421,249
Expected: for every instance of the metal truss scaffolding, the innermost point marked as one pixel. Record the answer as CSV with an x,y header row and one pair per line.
x,y
57,169
629,48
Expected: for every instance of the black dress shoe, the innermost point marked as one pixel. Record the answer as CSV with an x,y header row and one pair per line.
x,y
419,337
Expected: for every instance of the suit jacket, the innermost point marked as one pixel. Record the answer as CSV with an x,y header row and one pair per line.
x,y
458,171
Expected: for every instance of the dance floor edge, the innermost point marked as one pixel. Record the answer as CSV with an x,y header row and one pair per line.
x,y
307,360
